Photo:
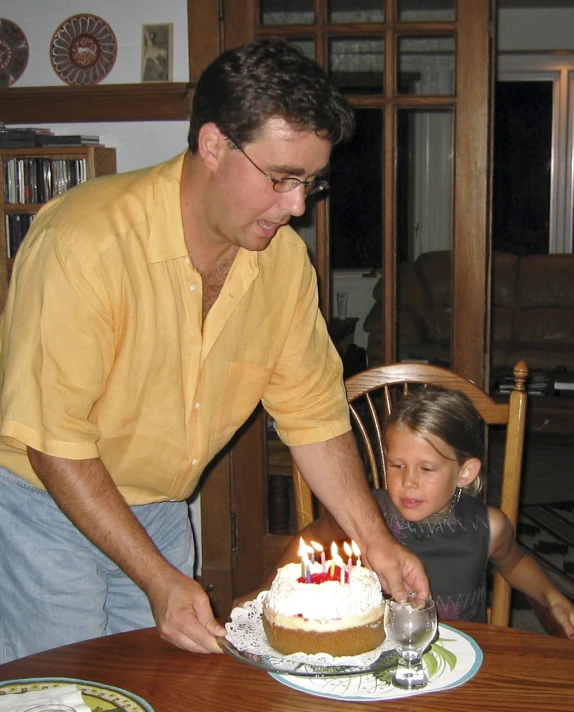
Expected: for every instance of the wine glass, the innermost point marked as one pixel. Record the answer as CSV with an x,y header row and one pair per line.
x,y
411,625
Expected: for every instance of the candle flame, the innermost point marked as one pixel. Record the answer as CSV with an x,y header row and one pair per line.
x,y
356,549
334,555
348,549
316,546
302,547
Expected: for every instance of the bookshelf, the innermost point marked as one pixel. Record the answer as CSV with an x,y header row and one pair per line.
x,y
29,177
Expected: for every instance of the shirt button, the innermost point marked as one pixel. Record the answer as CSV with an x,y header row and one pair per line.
x,y
187,261
197,405
192,287
194,461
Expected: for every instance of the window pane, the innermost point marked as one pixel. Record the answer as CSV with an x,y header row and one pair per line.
x,y
306,225
306,45
426,10
426,65
286,12
356,64
521,175
356,11
356,196
424,233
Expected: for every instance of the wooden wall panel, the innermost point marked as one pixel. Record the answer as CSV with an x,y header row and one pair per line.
x,y
204,35
102,102
472,236
216,537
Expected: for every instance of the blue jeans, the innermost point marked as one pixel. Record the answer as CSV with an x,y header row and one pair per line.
x,y
56,587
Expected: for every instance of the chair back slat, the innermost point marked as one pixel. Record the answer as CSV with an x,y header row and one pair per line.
x,y
367,447
372,394
388,401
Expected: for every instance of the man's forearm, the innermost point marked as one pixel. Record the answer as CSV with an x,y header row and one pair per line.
x,y
86,493
335,472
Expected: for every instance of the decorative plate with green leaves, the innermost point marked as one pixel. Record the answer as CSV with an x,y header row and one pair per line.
x,y
98,697
452,660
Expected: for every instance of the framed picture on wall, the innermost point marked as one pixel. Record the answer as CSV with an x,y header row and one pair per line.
x,y
157,53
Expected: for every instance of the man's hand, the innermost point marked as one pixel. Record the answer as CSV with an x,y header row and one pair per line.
x,y
400,571
86,493
183,615
335,473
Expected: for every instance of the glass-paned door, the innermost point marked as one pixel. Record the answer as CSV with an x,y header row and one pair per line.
x,y
412,186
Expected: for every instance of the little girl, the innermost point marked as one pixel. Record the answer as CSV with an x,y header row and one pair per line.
x,y
433,459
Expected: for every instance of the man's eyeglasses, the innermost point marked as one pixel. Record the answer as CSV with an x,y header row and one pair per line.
x,y
286,185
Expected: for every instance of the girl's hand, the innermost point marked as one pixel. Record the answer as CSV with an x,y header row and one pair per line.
x,y
563,612
555,613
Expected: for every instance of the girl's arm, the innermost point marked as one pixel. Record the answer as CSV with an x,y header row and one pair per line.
x,y
524,574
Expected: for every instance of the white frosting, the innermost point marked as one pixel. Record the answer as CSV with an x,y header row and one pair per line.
x,y
330,602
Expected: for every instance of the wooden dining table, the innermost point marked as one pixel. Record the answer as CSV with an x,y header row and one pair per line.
x,y
521,671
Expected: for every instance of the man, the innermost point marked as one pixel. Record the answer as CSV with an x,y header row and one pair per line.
x,y
148,314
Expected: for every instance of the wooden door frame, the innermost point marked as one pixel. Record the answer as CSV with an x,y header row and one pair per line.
x,y
471,249
470,337
231,544
470,328
234,496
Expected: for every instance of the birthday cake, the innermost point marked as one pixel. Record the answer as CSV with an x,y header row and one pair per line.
x,y
335,610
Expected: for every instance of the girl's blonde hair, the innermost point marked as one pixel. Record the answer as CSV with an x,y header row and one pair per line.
x,y
448,415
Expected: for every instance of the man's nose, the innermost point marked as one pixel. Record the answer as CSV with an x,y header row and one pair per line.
x,y
294,201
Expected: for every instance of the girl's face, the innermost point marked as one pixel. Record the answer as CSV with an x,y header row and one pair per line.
x,y
422,473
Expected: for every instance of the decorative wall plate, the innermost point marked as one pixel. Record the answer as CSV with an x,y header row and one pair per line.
x,y
83,50
14,52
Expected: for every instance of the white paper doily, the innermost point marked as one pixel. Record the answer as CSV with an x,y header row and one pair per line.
x,y
245,633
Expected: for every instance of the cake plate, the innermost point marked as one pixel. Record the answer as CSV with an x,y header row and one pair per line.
x,y
246,641
453,658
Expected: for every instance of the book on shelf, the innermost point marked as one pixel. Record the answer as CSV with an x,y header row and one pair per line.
x,y
564,382
21,137
37,180
16,228
539,383
17,129
71,140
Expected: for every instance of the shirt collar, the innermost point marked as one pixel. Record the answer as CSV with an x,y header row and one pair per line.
x,y
166,237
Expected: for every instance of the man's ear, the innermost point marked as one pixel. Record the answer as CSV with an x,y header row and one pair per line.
x,y
469,472
211,143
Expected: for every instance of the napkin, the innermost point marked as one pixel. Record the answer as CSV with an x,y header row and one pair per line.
x,y
61,694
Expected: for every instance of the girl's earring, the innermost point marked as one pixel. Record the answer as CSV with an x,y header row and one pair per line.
x,y
456,495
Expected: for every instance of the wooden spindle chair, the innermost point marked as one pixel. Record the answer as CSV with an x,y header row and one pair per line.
x,y
371,395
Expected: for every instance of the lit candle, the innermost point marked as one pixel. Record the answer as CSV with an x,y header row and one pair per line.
x,y
311,551
357,552
307,568
342,569
334,553
349,553
319,547
302,552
